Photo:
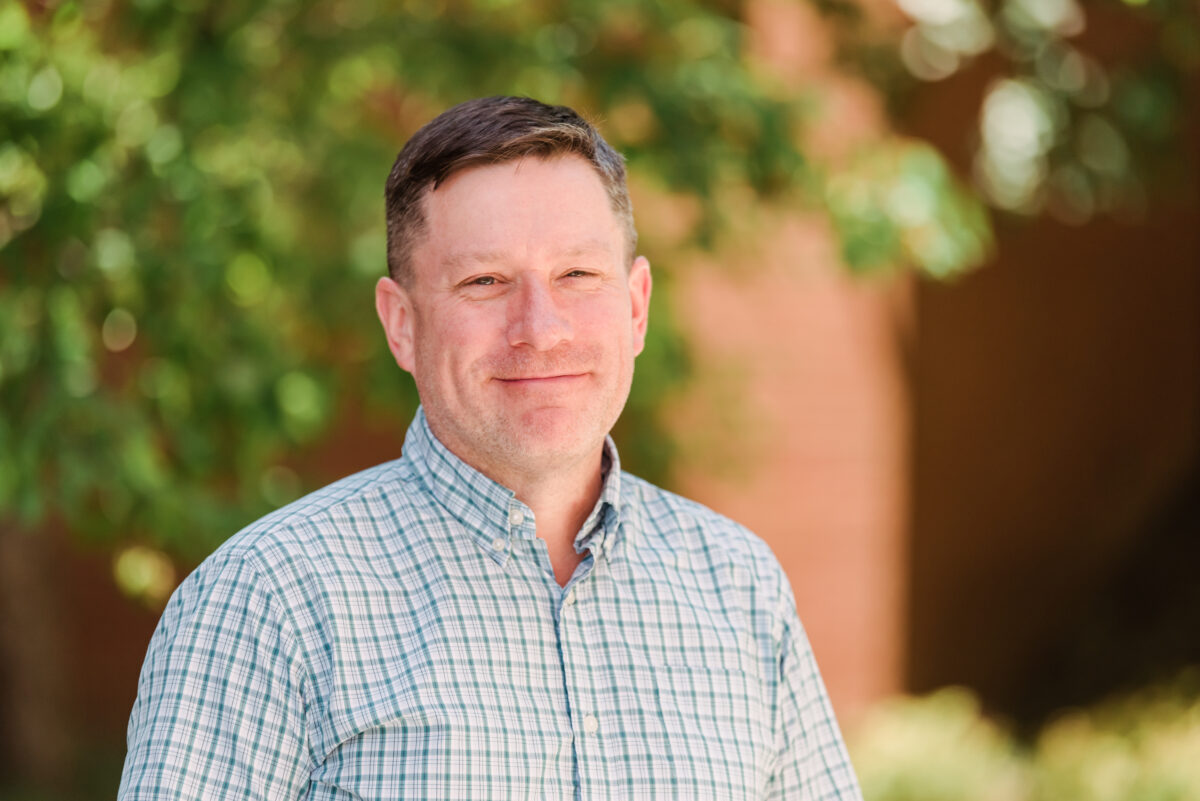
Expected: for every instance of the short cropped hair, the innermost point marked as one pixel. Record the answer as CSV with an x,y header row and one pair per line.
x,y
490,130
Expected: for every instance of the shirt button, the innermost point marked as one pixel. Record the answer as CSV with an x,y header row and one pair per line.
x,y
590,724
516,516
499,543
570,599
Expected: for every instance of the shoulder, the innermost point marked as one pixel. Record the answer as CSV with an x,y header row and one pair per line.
x,y
679,525
351,511
352,518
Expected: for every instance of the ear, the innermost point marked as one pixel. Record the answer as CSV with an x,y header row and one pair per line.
x,y
639,296
394,307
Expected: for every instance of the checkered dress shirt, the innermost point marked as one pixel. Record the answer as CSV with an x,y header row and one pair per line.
x,y
399,635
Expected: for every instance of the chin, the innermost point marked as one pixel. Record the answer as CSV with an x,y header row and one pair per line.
x,y
548,434
558,434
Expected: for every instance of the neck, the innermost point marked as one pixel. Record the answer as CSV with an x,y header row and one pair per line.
x,y
561,501
561,495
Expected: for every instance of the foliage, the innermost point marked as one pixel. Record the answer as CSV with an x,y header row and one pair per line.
x,y
1059,129
937,748
190,222
1139,746
1142,746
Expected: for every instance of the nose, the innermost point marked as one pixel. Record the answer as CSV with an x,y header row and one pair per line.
x,y
535,318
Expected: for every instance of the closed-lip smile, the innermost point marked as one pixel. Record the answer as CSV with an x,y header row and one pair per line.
x,y
538,378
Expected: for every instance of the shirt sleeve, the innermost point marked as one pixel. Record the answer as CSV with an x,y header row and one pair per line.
x,y
812,763
220,709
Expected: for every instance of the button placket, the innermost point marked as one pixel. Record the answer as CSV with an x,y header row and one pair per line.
x,y
580,684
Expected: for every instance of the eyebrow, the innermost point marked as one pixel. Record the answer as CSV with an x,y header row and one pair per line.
x,y
494,256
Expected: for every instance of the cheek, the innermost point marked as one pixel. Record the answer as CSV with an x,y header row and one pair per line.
x,y
604,313
611,327
456,344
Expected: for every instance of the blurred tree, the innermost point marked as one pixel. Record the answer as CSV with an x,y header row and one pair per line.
x,y
1062,130
191,222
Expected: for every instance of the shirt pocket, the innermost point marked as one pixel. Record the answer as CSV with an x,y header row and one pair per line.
x,y
708,733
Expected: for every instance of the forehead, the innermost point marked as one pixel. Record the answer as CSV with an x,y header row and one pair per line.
x,y
526,208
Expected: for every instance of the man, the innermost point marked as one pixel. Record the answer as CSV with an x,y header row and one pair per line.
x,y
500,613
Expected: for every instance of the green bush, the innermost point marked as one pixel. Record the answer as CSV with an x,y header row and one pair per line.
x,y
939,747
1143,746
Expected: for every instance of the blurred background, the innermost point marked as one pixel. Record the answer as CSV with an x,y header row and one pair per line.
x,y
926,317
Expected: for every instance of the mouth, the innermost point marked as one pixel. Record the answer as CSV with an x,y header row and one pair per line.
x,y
540,380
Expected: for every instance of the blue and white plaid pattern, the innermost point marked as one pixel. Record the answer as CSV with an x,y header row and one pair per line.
x,y
399,635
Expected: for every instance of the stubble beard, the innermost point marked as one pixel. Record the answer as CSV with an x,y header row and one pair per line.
x,y
511,442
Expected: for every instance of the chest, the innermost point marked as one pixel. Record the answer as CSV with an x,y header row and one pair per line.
x,y
493,682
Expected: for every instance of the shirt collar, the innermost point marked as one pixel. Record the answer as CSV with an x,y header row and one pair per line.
x,y
491,512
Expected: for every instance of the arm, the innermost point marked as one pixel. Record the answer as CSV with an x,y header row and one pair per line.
x,y
220,709
813,764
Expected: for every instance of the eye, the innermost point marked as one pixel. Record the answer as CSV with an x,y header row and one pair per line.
x,y
483,280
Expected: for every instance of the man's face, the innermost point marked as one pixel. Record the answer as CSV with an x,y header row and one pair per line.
x,y
523,318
